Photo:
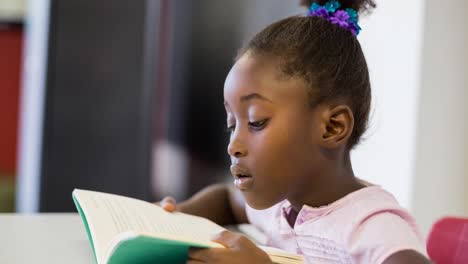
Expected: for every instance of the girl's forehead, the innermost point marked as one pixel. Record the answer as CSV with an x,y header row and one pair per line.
x,y
256,67
261,75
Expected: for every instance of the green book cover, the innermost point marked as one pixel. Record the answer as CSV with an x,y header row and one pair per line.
x,y
123,230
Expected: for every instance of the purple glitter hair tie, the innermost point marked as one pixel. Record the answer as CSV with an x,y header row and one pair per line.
x,y
347,19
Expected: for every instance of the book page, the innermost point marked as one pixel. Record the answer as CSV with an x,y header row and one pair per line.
x,y
109,215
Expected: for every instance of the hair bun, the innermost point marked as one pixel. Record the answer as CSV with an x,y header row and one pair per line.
x,y
358,5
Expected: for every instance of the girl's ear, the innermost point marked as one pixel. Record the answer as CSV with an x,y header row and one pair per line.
x,y
337,125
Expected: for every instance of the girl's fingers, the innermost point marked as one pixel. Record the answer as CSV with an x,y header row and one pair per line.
x,y
194,262
168,204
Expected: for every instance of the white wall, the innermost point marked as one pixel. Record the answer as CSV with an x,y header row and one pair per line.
x,y
32,106
441,173
391,39
12,9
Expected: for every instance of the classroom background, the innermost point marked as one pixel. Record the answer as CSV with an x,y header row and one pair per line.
x,y
126,97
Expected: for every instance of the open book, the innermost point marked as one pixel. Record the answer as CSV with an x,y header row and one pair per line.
x,y
127,230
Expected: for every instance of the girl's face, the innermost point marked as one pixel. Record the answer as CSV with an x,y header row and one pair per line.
x,y
274,132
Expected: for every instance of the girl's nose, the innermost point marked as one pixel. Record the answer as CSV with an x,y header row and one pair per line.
x,y
236,149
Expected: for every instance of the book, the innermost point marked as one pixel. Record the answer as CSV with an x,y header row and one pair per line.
x,y
127,230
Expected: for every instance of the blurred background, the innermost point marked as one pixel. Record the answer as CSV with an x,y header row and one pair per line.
x,y
126,97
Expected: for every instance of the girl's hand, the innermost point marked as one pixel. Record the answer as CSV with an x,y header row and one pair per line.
x,y
168,204
239,249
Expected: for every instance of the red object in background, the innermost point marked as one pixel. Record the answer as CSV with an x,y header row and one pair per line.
x,y
448,241
11,47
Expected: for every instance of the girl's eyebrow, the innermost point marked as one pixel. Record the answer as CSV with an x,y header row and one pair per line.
x,y
251,96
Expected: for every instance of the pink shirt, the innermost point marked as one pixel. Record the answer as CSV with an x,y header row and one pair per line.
x,y
366,226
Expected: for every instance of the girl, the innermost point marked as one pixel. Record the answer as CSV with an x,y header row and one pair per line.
x,y
297,101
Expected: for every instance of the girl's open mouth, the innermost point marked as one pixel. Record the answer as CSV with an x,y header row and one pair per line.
x,y
242,179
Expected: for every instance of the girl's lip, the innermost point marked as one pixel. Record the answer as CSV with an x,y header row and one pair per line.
x,y
242,178
237,171
243,183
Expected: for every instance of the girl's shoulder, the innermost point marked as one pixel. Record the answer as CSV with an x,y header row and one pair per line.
x,y
358,207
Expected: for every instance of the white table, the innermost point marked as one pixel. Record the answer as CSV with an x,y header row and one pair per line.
x,y
58,238
44,239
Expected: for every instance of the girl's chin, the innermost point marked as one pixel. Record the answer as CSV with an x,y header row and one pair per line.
x,y
258,203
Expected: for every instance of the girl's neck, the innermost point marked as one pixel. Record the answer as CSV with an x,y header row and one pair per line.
x,y
334,182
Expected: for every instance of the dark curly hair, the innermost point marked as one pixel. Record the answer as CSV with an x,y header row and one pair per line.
x,y
328,57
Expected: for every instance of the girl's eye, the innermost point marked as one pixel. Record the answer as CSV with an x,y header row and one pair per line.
x,y
230,129
258,125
